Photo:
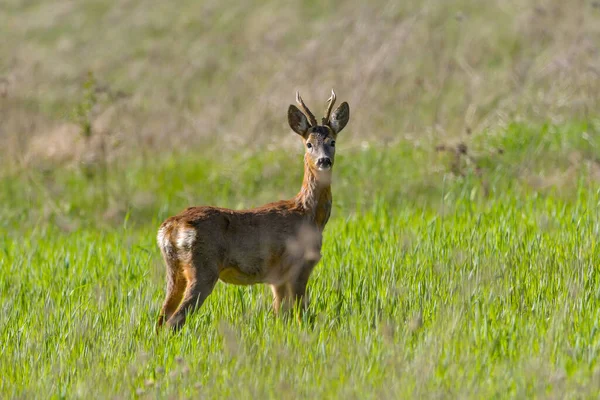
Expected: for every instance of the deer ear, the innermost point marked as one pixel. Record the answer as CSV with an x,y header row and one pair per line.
x,y
297,121
339,118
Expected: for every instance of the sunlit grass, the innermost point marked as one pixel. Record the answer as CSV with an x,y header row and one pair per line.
x,y
428,286
467,272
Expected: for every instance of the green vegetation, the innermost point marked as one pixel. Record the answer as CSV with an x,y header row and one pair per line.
x,y
428,286
462,258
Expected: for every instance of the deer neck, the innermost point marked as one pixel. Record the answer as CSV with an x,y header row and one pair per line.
x,y
315,195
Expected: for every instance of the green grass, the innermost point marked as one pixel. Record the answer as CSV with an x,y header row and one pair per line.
x,y
444,275
429,285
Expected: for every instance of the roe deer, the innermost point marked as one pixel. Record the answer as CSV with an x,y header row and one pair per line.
x,y
278,243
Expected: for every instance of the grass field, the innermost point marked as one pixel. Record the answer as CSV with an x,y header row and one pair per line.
x,y
429,285
462,258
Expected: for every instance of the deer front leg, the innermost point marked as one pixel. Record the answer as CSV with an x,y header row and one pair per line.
x,y
293,293
280,296
299,288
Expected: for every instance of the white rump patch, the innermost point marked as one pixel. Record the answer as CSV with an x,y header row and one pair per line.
x,y
161,239
186,238
164,243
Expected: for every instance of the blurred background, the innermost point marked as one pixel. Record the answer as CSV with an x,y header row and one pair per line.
x,y
225,71
86,84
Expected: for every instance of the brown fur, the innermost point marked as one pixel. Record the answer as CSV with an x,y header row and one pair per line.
x,y
278,243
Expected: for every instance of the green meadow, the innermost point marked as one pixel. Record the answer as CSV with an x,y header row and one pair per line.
x,y
455,292
462,258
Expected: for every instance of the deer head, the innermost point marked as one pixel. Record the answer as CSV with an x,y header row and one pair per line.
x,y
319,140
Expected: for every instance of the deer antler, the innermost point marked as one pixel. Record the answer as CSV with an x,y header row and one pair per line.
x,y
311,118
330,103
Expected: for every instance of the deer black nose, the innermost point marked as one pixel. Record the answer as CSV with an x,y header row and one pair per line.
x,y
324,162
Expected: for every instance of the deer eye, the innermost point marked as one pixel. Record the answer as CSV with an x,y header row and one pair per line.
x,y
308,145
332,144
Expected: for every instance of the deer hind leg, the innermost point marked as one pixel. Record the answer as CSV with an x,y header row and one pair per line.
x,y
176,284
200,281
